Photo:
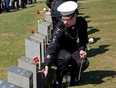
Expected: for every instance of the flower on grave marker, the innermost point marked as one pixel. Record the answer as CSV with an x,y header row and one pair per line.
x,y
38,11
41,20
44,9
33,31
36,60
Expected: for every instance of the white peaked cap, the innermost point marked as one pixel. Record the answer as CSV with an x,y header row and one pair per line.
x,y
67,8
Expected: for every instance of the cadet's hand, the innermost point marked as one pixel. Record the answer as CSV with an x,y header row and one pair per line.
x,y
83,54
45,72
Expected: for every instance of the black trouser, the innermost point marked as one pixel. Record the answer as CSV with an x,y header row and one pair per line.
x,y
55,21
7,8
23,3
69,62
17,4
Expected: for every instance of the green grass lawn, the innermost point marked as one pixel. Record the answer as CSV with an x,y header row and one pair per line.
x,y
14,28
101,16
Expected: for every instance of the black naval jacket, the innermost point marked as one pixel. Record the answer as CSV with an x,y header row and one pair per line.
x,y
66,38
53,5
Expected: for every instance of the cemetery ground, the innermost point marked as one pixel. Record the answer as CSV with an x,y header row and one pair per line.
x,y
101,17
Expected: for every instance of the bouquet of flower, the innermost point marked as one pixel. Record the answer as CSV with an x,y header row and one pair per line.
x,y
42,11
45,11
42,20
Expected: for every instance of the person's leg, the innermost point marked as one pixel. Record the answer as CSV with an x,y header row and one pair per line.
x,y
76,64
63,60
72,72
55,21
13,4
23,4
30,1
22,1
78,60
17,3
7,9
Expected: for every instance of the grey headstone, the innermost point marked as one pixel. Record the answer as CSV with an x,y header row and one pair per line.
x,y
39,37
45,28
5,84
33,49
48,18
20,77
28,64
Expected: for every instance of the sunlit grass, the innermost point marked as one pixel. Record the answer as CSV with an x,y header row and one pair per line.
x,y
101,17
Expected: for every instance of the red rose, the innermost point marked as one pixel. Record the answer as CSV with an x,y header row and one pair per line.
x,y
32,31
36,60
38,12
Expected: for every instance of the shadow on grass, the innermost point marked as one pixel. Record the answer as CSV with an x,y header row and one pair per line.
x,y
96,77
100,50
81,13
90,77
92,30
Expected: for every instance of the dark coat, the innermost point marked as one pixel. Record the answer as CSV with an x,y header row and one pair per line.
x,y
66,38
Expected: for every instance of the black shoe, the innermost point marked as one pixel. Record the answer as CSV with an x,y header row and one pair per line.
x,y
74,82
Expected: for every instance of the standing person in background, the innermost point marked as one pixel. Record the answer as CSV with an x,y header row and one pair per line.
x,y
30,1
7,7
17,4
64,50
23,3
55,15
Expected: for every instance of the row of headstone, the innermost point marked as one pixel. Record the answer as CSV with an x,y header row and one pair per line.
x,y
4,84
26,74
35,45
